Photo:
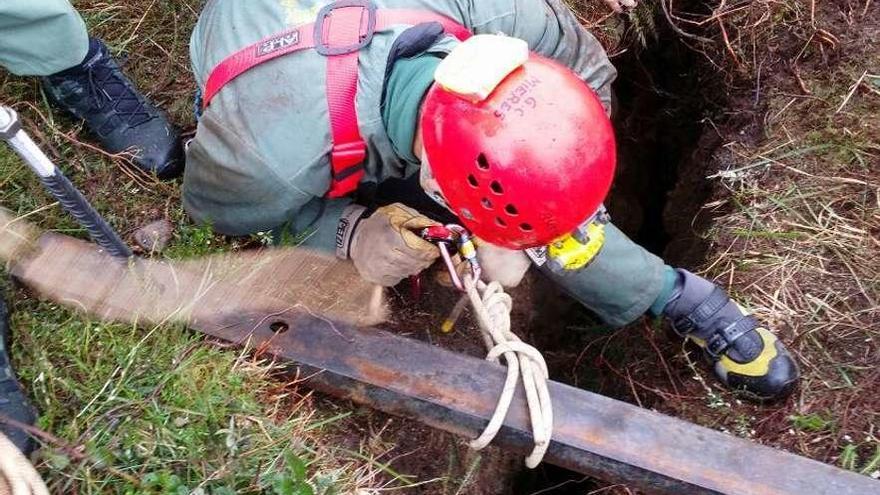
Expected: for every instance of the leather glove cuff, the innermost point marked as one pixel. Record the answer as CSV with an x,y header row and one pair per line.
x,y
348,223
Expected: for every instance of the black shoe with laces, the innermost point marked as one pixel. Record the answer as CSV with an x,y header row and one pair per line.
x,y
13,401
97,92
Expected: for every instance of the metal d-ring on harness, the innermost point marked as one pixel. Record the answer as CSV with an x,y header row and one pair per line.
x,y
492,307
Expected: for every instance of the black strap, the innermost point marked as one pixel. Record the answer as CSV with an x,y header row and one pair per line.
x,y
722,339
702,313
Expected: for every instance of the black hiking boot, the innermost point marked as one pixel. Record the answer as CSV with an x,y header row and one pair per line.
x,y
122,119
746,357
13,401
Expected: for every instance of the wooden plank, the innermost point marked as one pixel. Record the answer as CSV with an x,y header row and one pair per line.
x,y
150,291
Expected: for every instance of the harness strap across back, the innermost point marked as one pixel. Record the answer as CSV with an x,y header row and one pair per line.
x,y
341,30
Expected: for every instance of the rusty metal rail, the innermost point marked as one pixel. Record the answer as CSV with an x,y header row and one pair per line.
x,y
594,435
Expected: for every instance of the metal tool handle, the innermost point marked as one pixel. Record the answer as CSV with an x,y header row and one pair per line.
x,y
77,205
59,186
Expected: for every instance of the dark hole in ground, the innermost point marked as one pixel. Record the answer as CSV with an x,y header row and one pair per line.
x,y
659,189
279,327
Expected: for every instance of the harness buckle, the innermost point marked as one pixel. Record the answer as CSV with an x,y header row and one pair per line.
x,y
345,10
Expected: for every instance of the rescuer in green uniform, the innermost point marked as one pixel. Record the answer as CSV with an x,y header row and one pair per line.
x,y
318,115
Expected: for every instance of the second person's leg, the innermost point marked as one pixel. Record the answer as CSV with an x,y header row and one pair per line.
x,y
48,38
41,37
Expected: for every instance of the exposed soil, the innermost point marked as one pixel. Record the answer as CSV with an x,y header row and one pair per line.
x,y
797,86
659,107
678,111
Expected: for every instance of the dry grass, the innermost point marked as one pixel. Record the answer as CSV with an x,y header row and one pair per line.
x,y
618,33
796,232
801,248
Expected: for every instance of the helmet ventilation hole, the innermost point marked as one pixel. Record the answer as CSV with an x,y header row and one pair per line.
x,y
526,227
486,203
500,221
496,187
511,210
473,181
482,162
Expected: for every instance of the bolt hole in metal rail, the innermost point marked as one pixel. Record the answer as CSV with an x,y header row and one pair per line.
x,y
279,327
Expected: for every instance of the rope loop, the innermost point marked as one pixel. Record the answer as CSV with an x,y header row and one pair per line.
x,y
17,475
492,307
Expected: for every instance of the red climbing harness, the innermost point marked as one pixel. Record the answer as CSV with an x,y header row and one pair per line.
x,y
342,28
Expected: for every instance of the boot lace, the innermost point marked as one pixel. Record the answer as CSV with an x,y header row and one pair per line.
x,y
109,89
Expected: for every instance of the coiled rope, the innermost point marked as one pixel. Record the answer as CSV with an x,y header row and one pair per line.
x,y
17,475
492,307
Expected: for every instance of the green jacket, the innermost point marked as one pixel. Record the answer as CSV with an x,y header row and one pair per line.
x,y
41,37
260,157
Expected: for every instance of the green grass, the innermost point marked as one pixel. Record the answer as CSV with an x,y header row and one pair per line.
x,y
158,411
151,410
191,241
867,464
766,234
812,422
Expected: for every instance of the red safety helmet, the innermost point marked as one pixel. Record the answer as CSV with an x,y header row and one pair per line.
x,y
527,165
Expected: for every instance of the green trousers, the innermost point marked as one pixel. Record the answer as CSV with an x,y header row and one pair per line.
x,y
41,37
620,284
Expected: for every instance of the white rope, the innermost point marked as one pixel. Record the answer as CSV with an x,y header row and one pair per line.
x,y
17,475
492,307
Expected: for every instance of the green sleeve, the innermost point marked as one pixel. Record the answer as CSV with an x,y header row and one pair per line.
x,y
621,283
315,225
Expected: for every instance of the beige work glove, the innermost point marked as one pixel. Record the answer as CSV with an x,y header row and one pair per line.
x,y
385,247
